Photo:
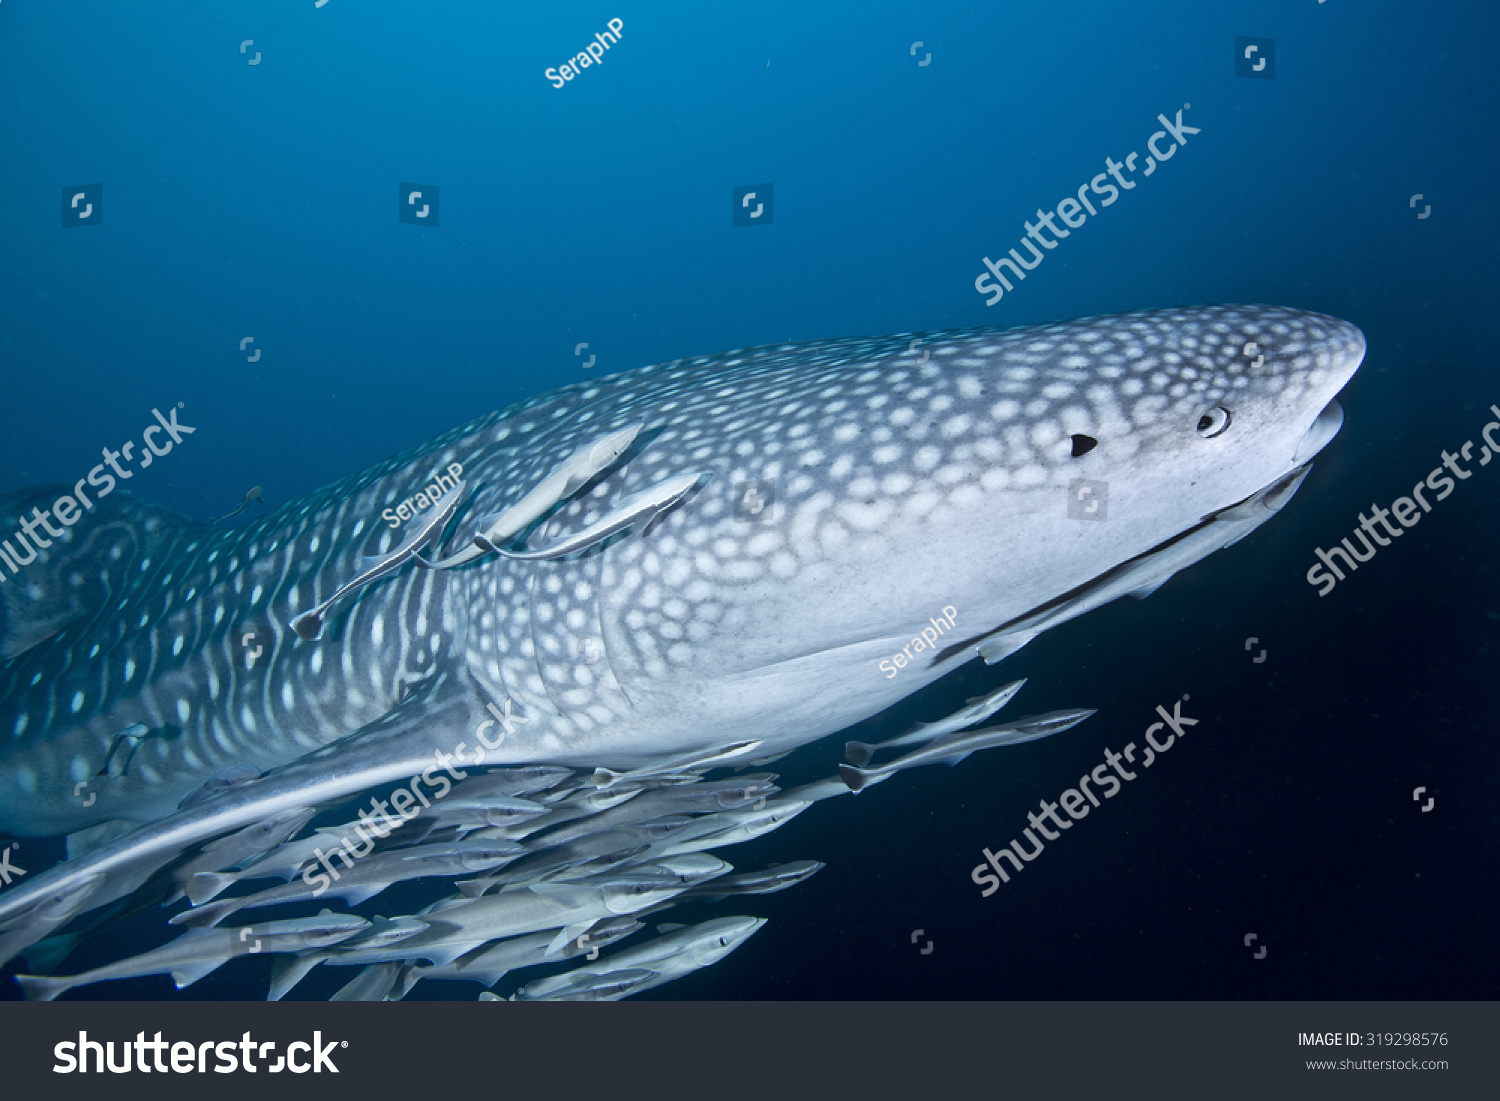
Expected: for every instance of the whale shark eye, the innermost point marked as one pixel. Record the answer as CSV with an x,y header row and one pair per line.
x,y
1214,422
1082,444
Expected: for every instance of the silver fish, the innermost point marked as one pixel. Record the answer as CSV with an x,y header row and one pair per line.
x,y
421,531
199,952
679,952
955,747
71,897
776,878
462,925
639,510
974,711
240,847
373,984
695,798
587,985
288,970
713,758
366,878
487,965
575,472
252,495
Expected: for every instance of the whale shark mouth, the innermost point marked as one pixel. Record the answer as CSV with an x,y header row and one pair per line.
x,y
1143,574
1323,429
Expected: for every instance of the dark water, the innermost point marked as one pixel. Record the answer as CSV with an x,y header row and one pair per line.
x,y
260,201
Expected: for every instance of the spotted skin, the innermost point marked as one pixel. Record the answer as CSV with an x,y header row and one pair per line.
x,y
906,479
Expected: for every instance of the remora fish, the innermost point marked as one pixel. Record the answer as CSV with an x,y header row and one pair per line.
x,y
488,965
421,530
955,747
676,953
905,482
975,711
461,925
776,878
288,971
199,952
251,496
367,878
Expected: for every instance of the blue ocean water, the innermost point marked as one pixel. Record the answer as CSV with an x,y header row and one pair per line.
x,y
249,163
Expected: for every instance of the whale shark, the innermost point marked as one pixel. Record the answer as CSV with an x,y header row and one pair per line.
x,y
665,627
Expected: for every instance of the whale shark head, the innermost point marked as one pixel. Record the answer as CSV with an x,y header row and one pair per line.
x,y
865,489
